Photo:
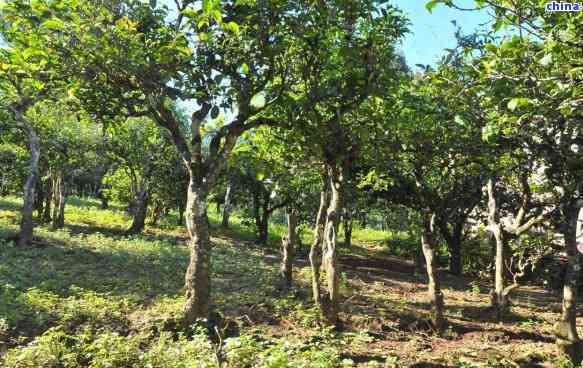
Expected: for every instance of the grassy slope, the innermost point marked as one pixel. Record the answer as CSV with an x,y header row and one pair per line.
x,y
88,296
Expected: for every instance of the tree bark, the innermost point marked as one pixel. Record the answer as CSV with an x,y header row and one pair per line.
x,y
26,223
316,247
330,256
498,297
288,246
567,338
48,198
58,218
433,285
227,207
140,208
197,279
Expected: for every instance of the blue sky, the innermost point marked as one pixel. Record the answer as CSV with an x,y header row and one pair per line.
x,y
431,33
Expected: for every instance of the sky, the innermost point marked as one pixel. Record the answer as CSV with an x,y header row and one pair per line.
x,y
431,33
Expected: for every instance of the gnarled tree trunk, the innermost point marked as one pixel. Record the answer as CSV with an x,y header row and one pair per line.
x,y
26,223
433,285
197,279
566,329
316,247
288,246
498,297
58,218
140,208
330,256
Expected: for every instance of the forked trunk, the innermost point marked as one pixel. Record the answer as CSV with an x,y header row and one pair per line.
x,y
58,218
288,246
565,329
227,208
433,285
330,256
197,279
140,209
316,247
26,223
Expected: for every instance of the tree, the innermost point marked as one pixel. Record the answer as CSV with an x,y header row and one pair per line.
x,y
29,75
132,59
345,55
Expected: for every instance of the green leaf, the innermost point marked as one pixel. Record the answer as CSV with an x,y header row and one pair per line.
x,y
53,23
430,5
232,27
458,120
546,60
152,4
244,68
518,102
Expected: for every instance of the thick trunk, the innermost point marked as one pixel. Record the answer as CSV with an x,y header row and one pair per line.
x,y
316,248
26,223
58,218
453,239
288,246
330,256
197,279
565,329
499,297
433,286
262,230
227,208
140,209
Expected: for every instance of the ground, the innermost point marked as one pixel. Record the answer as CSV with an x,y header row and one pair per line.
x,y
89,296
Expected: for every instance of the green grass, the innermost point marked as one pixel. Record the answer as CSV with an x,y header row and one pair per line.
x,y
89,296
92,297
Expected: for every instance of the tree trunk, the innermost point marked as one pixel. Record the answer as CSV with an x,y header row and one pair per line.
x,y
103,199
181,210
156,213
227,207
433,286
39,200
565,329
453,239
197,279
498,297
261,209
48,198
316,248
330,256
347,224
288,246
58,218
140,209
26,223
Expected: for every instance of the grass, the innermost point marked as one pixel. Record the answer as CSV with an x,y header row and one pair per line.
x,y
92,297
